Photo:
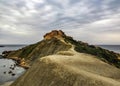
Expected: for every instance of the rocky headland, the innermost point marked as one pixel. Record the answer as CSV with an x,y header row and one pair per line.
x,y
59,60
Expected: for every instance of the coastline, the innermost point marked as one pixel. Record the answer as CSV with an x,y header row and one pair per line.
x,y
7,83
19,62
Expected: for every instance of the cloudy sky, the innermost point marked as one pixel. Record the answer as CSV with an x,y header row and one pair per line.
x,y
92,21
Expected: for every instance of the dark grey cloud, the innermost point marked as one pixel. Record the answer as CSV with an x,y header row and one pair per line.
x,y
86,20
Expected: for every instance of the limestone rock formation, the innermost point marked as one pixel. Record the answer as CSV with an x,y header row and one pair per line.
x,y
54,34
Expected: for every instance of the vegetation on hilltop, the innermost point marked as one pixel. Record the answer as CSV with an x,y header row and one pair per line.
x,y
103,54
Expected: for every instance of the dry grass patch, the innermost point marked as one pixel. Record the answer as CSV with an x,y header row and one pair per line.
x,y
68,53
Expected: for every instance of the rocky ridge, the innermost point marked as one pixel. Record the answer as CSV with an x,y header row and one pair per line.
x,y
54,34
59,60
56,41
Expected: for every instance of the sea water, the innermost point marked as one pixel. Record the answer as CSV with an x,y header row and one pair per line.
x,y
10,47
9,71
115,48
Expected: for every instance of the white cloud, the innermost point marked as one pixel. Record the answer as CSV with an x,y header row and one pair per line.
x,y
110,23
13,30
38,1
89,21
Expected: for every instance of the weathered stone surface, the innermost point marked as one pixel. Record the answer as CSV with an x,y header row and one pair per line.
x,y
54,34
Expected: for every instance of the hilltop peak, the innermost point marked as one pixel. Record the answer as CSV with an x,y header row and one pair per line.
x,y
54,34
56,41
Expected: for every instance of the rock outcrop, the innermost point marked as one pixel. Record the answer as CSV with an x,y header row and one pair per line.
x,y
54,34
